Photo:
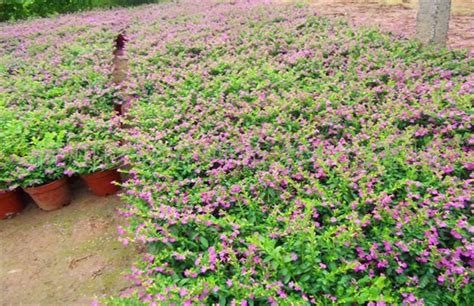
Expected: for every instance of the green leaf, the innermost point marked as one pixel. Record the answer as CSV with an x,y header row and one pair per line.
x,y
222,300
204,242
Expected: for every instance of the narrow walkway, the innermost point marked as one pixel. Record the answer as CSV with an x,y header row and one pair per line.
x,y
63,257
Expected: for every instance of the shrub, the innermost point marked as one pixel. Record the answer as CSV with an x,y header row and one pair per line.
x,y
89,156
278,157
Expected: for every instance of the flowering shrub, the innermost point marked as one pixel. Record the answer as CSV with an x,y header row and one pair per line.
x,y
89,156
281,158
41,145
11,135
7,166
56,92
40,167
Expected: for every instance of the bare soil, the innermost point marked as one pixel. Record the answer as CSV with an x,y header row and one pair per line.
x,y
64,257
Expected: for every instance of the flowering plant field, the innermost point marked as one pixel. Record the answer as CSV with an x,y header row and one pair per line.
x,y
278,157
281,158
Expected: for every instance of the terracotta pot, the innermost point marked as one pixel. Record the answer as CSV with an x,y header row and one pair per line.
x,y
51,196
10,203
101,183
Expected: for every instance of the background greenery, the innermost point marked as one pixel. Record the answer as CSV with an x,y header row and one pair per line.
x,y
20,9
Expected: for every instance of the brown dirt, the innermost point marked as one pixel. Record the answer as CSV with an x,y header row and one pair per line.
x,y
64,257
396,18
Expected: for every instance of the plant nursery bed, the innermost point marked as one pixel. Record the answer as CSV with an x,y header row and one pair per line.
x,y
67,256
274,156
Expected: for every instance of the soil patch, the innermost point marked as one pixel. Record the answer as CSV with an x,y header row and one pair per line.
x,y
68,256
397,19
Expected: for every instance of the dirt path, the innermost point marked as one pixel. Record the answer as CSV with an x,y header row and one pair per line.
x,y
397,19
64,257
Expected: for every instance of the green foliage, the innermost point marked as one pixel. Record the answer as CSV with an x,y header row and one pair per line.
x,y
20,9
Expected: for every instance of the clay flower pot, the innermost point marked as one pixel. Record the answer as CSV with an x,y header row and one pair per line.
x,y
101,183
51,196
10,203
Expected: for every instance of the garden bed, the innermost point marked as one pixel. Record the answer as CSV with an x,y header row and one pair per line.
x,y
280,157
274,156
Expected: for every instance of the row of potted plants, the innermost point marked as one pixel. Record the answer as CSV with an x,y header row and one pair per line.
x,y
56,194
56,110
43,173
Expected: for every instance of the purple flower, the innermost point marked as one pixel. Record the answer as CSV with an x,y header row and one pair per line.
x,y
360,267
120,230
69,172
469,166
456,234
183,292
235,189
293,257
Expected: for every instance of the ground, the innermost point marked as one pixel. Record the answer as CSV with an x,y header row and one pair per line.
x,y
398,19
65,257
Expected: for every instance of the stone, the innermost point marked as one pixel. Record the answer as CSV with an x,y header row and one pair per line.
x,y
432,21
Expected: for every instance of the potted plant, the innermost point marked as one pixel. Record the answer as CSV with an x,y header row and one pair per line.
x,y
13,143
96,161
10,200
41,174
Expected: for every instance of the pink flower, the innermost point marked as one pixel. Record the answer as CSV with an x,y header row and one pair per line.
x,y
441,279
120,230
456,234
469,166
235,189
69,172
360,267
386,199
448,169
294,257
